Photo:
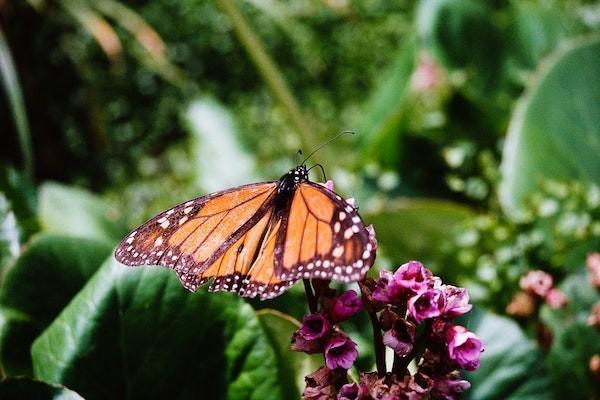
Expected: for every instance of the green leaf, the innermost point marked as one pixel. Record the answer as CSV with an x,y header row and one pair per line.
x,y
415,228
37,287
216,146
568,362
293,366
387,110
461,34
555,131
27,388
75,212
574,342
538,28
12,88
136,333
512,367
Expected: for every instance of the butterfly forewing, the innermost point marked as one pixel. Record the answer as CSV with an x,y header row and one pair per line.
x,y
192,235
323,237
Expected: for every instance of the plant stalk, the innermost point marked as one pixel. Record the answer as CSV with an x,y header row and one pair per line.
x,y
310,296
268,70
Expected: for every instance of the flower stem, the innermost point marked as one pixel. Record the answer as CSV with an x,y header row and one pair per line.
x,y
379,347
310,296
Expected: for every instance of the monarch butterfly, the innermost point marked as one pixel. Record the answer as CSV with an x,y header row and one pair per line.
x,y
257,239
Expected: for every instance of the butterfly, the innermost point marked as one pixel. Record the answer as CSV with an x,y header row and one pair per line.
x,y
257,239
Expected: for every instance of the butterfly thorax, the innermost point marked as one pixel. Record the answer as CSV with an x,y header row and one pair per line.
x,y
287,186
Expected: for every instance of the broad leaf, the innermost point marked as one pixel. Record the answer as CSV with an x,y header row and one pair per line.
x,y
512,367
415,228
37,287
538,28
76,212
136,333
27,388
555,131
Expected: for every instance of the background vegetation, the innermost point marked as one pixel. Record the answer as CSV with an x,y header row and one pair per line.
x,y
478,135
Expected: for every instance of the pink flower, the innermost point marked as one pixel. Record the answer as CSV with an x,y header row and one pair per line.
x,y
429,304
349,391
457,301
310,337
314,326
400,337
409,279
450,387
345,306
428,75
340,352
464,347
329,185
555,298
536,282
593,265
414,276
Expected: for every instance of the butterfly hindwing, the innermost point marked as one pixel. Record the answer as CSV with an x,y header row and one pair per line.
x,y
323,237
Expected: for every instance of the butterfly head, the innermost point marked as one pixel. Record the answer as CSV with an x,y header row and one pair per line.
x,y
293,178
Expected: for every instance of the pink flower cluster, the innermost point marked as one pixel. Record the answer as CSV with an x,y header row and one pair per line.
x,y
536,287
319,334
411,311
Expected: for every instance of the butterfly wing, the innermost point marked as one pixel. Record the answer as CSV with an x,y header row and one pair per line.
x,y
191,236
323,237
247,267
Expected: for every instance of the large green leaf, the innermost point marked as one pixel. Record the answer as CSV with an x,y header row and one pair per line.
x,y
538,28
512,367
574,342
37,287
555,131
136,333
27,388
415,228
76,212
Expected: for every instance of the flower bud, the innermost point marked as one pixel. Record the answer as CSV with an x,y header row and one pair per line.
x,y
345,306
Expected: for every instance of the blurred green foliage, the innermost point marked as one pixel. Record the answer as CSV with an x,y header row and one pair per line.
x,y
476,151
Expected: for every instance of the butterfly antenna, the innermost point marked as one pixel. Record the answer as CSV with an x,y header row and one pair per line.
x,y
322,170
326,143
298,155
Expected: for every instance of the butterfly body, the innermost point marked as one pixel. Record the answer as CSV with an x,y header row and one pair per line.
x,y
256,239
